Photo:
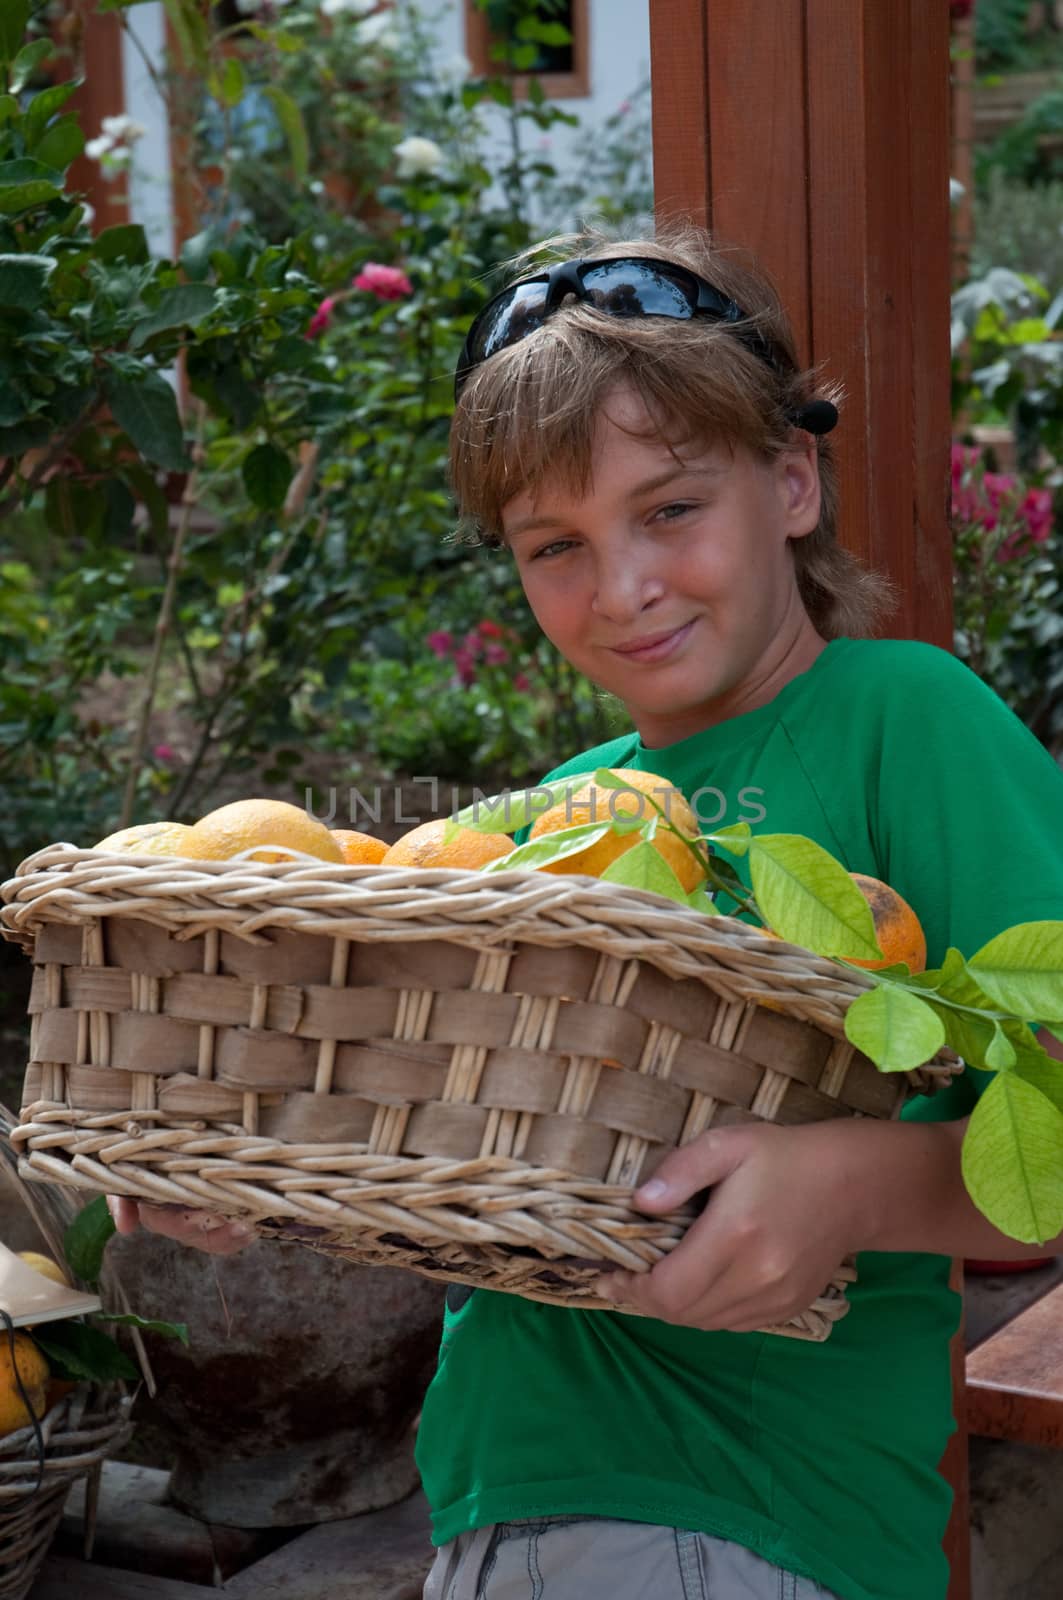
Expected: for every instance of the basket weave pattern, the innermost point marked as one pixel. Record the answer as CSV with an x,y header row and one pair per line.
x,y
79,1431
430,1069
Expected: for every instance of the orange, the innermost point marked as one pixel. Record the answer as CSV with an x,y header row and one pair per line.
x,y
592,803
897,928
147,838
45,1266
424,847
359,849
249,824
33,1370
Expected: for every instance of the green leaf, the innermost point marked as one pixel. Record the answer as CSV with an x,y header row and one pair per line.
x,y
291,120
129,1319
1000,1053
735,840
807,897
24,280
643,867
43,107
147,410
13,174
896,1029
229,85
85,1240
125,241
267,474
76,1350
551,847
700,899
952,968
180,307
62,143
513,809
1012,1159
14,15
1022,970
1046,1076
195,256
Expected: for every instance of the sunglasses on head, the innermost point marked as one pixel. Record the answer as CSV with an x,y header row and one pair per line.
x,y
620,286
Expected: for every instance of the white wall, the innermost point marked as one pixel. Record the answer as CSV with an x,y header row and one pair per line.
x,y
619,63
150,186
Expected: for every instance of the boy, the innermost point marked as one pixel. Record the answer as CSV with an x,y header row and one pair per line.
x,y
633,426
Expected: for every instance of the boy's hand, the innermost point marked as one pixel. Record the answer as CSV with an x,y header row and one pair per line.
x,y
777,1226
200,1229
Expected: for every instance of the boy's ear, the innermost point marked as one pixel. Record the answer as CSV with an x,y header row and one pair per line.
x,y
800,489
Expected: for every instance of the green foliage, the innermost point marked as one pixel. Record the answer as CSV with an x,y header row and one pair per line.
x,y
1001,35
1018,226
295,491
1032,150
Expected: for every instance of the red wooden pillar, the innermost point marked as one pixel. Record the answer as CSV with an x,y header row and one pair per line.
x,y
816,133
98,62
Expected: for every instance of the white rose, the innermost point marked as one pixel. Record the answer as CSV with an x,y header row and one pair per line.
x,y
455,69
357,8
378,29
115,127
418,157
96,149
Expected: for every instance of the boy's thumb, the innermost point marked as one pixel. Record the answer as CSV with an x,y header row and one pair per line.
x,y
682,1173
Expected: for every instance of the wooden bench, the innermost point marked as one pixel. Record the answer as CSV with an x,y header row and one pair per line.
x,y
1014,1379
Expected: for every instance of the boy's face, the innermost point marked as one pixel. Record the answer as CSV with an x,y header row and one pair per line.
x,y
671,583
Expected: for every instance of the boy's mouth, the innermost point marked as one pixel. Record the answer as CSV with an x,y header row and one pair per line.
x,y
654,646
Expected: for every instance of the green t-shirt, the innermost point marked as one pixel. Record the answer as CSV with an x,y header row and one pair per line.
x,y
821,1457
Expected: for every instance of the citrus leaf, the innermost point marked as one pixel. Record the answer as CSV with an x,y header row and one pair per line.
x,y
700,899
643,867
1022,970
60,144
1000,1053
86,1238
1012,1159
551,847
513,809
807,897
267,474
1046,1076
75,1350
953,967
896,1029
736,839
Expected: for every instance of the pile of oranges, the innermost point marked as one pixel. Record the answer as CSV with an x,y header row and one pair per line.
x,y
271,830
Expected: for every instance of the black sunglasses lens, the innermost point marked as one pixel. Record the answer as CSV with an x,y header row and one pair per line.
x,y
515,316
637,289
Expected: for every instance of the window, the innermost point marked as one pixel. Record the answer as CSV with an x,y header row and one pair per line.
x,y
562,70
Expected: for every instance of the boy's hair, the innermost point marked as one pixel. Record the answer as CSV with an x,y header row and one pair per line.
x,y
528,414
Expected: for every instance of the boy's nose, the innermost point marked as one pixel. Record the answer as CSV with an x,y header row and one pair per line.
x,y
624,589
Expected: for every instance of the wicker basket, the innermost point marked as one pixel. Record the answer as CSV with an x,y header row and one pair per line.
x,y
434,1069
78,1432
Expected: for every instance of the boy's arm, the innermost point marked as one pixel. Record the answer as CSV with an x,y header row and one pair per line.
x,y
787,1205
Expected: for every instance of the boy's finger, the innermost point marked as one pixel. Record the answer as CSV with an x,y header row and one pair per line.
x,y
125,1214
708,1159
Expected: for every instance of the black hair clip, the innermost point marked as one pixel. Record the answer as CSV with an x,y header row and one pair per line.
x,y
816,416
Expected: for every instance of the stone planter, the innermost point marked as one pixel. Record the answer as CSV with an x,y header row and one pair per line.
x,y
296,1397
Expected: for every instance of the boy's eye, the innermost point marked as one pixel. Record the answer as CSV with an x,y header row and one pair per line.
x,y
675,509
555,547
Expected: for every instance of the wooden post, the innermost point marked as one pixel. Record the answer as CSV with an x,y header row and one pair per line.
x,y
818,137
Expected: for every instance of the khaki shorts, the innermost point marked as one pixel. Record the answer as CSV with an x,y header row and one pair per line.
x,y
580,1558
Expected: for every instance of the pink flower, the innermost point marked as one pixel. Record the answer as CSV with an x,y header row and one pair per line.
x,y
520,682
164,752
387,283
472,644
491,630
1036,511
440,643
495,654
322,317
465,666
623,108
